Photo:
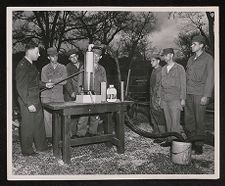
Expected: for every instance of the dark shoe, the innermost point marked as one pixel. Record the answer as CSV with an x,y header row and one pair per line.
x,y
30,154
158,140
166,144
198,149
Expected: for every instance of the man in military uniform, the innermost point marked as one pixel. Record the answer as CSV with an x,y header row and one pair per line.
x,y
52,72
99,76
27,83
200,84
71,87
173,94
156,112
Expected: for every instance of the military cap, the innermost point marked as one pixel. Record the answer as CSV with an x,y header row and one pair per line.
x,y
155,56
200,39
52,51
167,51
97,50
72,51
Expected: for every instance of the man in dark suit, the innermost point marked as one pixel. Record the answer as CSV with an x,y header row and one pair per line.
x,y
27,83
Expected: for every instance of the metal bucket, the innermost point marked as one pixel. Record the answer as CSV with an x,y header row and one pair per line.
x,y
181,152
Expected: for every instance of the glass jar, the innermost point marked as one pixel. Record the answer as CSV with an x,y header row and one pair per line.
x,y
111,94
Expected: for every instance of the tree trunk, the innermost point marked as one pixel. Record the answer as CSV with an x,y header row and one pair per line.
x,y
128,80
118,69
211,30
130,67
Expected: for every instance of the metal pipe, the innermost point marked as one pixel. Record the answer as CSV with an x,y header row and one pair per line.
x,y
63,80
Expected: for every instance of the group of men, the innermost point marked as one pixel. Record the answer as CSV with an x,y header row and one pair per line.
x,y
36,123
172,89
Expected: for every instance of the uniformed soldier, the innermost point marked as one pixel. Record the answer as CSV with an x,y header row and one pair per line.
x,y
200,84
52,72
71,87
173,94
99,76
156,112
27,82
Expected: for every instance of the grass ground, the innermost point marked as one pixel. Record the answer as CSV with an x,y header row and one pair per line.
x,y
141,156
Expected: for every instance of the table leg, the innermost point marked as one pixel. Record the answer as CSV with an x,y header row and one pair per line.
x,y
108,127
119,131
66,139
56,133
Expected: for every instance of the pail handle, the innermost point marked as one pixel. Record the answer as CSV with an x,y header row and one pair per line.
x,y
181,151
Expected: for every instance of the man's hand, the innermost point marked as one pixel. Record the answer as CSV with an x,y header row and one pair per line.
x,y
182,102
204,100
73,95
49,85
32,108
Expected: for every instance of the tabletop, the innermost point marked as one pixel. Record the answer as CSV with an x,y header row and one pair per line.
x,y
70,104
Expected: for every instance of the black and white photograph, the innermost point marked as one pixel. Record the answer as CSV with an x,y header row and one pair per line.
x,y
105,93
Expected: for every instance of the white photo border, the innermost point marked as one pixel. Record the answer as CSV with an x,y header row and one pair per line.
x,y
9,22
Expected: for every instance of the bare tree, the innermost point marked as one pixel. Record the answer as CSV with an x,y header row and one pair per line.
x,y
141,24
67,28
183,41
202,22
49,28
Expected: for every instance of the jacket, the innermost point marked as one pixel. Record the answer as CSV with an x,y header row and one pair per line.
x,y
155,83
28,84
72,84
199,73
173,85
99,76
49,74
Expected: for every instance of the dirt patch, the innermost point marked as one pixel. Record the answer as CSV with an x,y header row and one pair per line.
x,y
141,156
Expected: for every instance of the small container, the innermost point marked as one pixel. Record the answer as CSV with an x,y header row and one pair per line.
x,y
111,94
181,152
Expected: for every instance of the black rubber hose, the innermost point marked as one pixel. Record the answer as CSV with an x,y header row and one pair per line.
x,y
131,124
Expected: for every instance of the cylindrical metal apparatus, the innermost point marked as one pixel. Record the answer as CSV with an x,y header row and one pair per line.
x,y
89,71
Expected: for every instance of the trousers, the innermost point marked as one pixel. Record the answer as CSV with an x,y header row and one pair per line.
x,y
32,130
158,120
48,115
172,111
194,118
82,125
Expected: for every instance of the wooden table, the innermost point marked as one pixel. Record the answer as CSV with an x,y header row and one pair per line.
x,y
61,119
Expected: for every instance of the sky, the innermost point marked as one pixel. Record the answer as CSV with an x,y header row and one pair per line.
x,y
168,30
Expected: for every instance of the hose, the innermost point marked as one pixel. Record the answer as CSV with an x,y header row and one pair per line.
x,y
132,125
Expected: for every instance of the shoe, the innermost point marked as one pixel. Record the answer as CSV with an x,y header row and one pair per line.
x,y
30,154
166,144
158,140
198,149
